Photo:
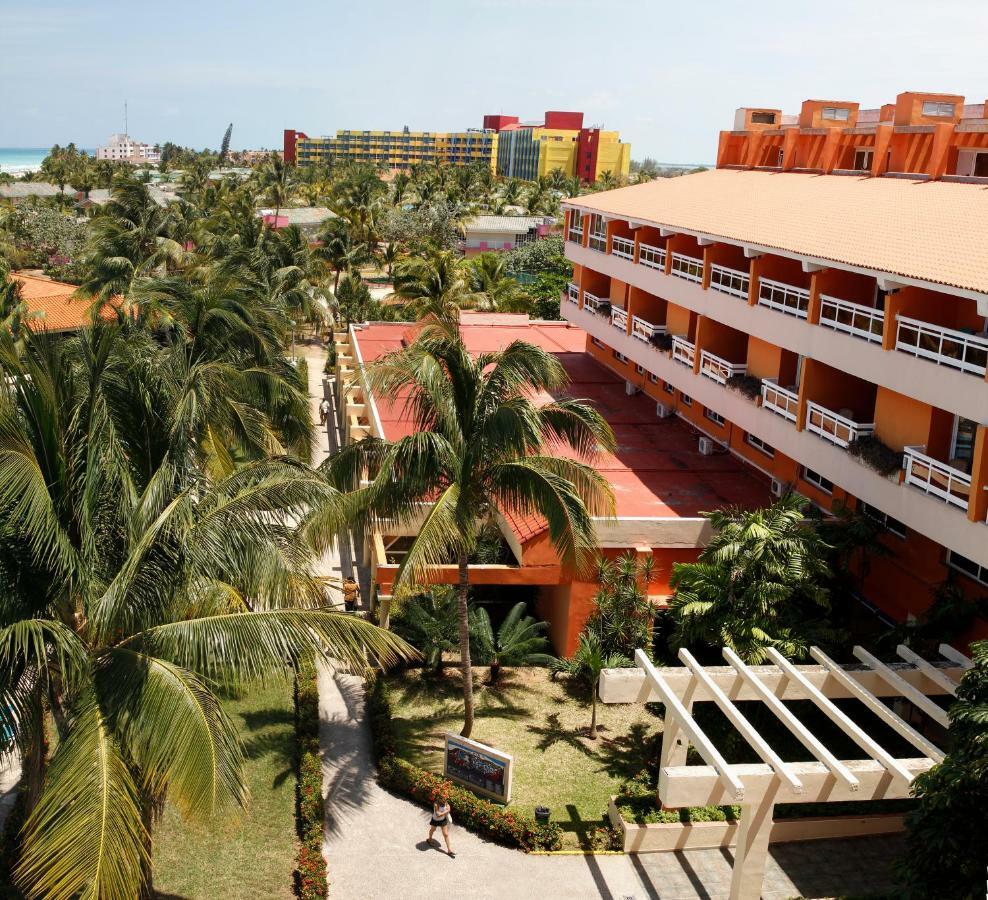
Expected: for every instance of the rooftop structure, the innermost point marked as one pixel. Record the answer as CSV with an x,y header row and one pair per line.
x,y
123,148
19,191
484,233
829,329
53,305
308,218
660,481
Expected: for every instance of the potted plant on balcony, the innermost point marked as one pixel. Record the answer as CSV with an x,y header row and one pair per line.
x,y
603,309
875,454
661,341
749,385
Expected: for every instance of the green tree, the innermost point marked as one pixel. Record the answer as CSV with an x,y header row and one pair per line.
x,y
492,287
428,622
519,641
623,616
585,666
946,850
353,299
437,284
480,446
225,143
757,584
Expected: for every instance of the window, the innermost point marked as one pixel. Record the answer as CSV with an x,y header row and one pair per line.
x,y
668,388
893,526
653,378
620,357
686,398
836,113
763,118
936,108
759,445
817,480
597,342
640,370
714,417
968,567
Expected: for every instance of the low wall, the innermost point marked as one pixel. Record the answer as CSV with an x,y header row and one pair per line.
x,y
659,838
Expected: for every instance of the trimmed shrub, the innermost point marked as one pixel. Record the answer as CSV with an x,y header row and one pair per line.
x,y
749,385
310,810
482,816
875,454
661,341
603,309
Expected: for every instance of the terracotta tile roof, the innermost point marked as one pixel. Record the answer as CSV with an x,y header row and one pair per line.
x,y
928,230
60,310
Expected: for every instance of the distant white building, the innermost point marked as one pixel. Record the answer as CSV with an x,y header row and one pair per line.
x,y
122,148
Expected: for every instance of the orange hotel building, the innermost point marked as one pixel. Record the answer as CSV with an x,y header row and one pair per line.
x,y
837,259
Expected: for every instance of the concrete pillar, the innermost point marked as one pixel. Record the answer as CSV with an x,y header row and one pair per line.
x,y
751,852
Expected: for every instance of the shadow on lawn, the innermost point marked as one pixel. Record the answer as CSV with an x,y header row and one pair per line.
x,y
278,742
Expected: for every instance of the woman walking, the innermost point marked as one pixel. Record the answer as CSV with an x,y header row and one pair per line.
x,y
442,818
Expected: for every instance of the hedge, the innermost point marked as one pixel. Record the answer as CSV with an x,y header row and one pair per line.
x,y
310,810
482,816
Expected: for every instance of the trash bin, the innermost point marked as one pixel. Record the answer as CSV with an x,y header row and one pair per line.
x,y
542,814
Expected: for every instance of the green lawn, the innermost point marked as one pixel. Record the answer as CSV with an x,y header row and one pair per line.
x,y
543,725
240,856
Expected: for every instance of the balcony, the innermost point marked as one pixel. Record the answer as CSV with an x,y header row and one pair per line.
x,y
622,247
945,346
834,427
785,298
688,267
598,241
729,281
780,400
593,302
934,477
652,257
852,318
683,351
573,293
718,368
575,235
644,330
619,318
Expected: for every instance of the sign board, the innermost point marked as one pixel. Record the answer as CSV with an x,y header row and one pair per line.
x,y
483,769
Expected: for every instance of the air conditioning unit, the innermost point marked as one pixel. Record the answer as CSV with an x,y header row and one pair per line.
x,y
706,446
778,487
630,388
663,411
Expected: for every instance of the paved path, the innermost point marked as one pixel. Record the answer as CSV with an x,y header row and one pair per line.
x,y
10,774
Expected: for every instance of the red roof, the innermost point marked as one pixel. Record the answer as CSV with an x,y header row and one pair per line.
x,y
54,301
656,472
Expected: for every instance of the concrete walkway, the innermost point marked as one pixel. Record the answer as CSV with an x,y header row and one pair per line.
x,y
10,775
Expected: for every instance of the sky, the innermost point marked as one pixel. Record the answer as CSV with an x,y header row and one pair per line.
x,y
667,76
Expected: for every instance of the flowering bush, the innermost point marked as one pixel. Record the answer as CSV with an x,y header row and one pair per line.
x,y
310,867
483,816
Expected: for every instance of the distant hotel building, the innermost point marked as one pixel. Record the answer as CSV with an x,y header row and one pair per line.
x,y
507,146
122,148
816,307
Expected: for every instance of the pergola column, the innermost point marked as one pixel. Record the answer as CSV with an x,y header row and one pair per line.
x,y
751,852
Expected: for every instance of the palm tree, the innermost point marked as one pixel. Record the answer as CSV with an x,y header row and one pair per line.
x,y
585,665
353,299
435,284
492,287
428,623
340,251
278,181
480,447
136,585
518,642
388,255
757,584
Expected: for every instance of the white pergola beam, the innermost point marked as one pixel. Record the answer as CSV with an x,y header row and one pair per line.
x,y
685,721
910,693
888,716
701,785
802,733
741,723
927,668
955,656
841,719
631,686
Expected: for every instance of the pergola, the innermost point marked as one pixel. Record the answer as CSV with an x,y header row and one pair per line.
x,y
758,787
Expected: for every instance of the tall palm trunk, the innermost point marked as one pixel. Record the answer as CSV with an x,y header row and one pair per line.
x,y
593,712
465,665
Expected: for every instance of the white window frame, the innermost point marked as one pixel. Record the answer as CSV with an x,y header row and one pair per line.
x,y
619,356
805,474
981,577
714,416
835,113
883,518
653,378
939,108
669,387
686,399
598,343
639,370
760,445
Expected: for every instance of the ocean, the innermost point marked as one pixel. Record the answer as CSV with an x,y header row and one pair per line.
x,y
18,160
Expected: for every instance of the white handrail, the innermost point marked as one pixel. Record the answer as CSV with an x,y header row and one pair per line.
x,y
834,427
718,368
598,241
936,478
651,257
945,346
573,293
729,281
852,318
591,300
643,329
780,400
688,267
785,298
683,351
619,318
622,247
575,235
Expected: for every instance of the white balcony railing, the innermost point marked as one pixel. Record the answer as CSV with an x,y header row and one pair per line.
x,y
573,293
591,301
643,329
945,346
575,235
780,400
785,298
934,477
622,247
652,257
619,318
834,427
598,241
718,368
683,351
688,267
852,318
729,281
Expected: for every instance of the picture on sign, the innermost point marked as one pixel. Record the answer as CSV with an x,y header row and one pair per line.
x,y
481,768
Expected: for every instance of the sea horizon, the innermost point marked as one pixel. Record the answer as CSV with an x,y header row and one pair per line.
x,y
22,160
